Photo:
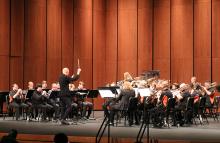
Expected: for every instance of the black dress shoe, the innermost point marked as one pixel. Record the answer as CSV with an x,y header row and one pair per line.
x,y
63,122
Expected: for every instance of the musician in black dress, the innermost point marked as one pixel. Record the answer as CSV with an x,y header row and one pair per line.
x,y
121,102
65,97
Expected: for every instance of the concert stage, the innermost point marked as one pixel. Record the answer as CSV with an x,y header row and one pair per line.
x,y
88,129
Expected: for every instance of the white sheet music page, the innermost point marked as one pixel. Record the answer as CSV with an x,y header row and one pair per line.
x,y
106,94
144,92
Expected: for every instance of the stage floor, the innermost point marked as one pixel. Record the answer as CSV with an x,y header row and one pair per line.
x,y
207,133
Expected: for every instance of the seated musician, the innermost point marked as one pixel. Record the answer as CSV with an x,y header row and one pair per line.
x,y
157,113
122,101
54,101
44,84
74,104
38,101
72,87
209,91
16,99
193,82
28,101
30,85
86,105
127,77
181,105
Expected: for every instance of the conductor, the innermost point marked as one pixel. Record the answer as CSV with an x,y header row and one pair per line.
x,y
65,96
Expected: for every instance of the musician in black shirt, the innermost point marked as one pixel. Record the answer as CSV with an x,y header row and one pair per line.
x,y
16,99
65,97
39,101
85,105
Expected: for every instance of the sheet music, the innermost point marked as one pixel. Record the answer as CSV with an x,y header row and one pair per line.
x,y
136,91
144,92
106,94
118,90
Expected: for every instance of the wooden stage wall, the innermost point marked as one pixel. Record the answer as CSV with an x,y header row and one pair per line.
x,y
40,37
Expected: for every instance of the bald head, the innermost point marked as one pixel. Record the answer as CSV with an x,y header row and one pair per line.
x,y
30,85
66,71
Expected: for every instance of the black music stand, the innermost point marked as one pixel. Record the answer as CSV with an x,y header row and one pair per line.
x,y
93,94
46,89
54,94
3,95
113,89
81,94
29,94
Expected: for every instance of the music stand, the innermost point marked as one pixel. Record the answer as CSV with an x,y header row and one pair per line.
x,y
81,94
113,89
144,92
3,95
106,93
46,89
29,94
54,94
93,94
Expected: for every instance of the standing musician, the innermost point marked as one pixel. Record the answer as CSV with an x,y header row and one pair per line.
x,y
65,97
16,99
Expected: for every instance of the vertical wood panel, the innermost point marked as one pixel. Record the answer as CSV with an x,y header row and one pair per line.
x,y
4,74
98,43
202,40
67,34
181,40
17,27
17,42
111,41
4,43
127,37
16,71
145,14
215,40
53,40
5,27
83,39
35,41
161,40
98,47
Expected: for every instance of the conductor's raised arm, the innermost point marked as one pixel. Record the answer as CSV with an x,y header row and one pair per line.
x,y
75,77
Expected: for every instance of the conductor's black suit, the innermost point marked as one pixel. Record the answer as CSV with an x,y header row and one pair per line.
x,y
65,96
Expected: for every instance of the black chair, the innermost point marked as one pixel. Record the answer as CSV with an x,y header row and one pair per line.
x,y
213,109
9,109
201,111
132,110
128,112
170,110
189,110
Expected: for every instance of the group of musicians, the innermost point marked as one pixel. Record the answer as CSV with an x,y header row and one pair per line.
x,y
155,103
42,106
